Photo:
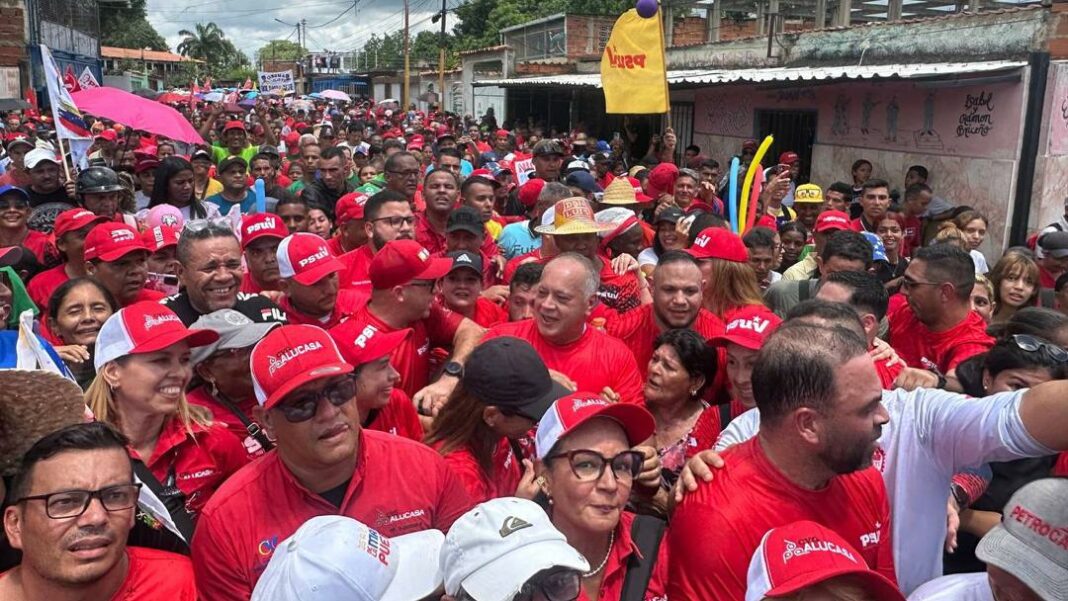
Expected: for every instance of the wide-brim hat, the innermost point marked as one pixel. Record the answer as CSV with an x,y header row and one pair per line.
x,y
34,403
573,216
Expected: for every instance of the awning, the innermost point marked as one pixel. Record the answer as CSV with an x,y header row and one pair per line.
x,y
682,79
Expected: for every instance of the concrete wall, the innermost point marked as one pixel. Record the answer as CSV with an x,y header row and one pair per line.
x,y
13,57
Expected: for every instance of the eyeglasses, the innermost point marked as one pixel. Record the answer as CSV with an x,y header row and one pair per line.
x,y
396,221
1031,344
562,585
413,174
231,353
589,466
909,283
73,503
303,407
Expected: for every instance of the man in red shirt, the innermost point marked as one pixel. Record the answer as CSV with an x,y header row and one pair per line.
x,y
387,216
1054,259
116,256
440,191
874,202
260,235
461,290
71,228
74,503
309,283
937,328
403,276
677,292
349,218
914,206
466,232
811,461
591,358
324,464
522,290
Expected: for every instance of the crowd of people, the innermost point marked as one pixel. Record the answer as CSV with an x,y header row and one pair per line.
x,y
442,359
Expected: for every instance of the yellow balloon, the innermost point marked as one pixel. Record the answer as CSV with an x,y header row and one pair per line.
x,y
743,211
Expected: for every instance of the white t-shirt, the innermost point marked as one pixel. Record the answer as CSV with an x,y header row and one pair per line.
x,y
981,268
932,434
957,587
648,257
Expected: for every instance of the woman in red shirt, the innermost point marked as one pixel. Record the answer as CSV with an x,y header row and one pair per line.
x,y
143,366
14,226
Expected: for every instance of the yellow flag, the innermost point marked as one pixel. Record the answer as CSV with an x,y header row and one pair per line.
x,y
633,72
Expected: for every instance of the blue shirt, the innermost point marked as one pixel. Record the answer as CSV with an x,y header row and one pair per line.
x,y
248,205
516,239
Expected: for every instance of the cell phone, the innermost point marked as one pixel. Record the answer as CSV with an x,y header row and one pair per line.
x,y
162,282
616,136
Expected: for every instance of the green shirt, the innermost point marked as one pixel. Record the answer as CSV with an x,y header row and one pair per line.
x,y
219,153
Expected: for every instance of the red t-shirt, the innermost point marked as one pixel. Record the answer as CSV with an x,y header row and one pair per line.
x,y
45,283
715,530
397,417
427,236
913,235
334,244
412,358
621,293
398,487
224,417
638,330
348,302
922,348
480,486
15,177
594,361
888,373
149,295
356,263
615,570
1046,279
487,313
201,460
39,244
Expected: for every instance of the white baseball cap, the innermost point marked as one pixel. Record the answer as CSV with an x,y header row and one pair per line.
x,y
39,155
334,557
493,549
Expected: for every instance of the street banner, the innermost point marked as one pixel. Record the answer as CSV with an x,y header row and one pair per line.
x,y
633,72
70,125
87,80
276,81
522,170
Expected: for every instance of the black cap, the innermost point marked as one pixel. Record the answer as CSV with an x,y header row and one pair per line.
x,y
201,155
670,214
230,161
507,372
464,259
466,219
1054,244
546,147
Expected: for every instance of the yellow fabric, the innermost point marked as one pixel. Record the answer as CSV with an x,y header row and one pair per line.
x,y
214,187
632,67
494,228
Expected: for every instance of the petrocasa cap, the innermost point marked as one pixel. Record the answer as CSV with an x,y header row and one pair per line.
x,y
74,219
333,557
366,344
289,357
719,243
159,237
306,258
798,555
144,327
261,225
403,261
830,221
350,207
578,408
749,328
111,241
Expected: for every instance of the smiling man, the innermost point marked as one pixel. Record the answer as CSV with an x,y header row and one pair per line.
x,y
309,283
118,259
74,503
461,290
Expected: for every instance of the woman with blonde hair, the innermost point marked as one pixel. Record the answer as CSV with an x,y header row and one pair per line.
x,y
142,360
983,298
730,282
1015,283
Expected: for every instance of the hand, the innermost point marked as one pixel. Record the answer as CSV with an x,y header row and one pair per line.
x,y
70,188
912,378
501,262
882,351
952,524
274,295
623,264
528,484
696,468
563,380
496,294
73,353
649,477
706,191
432,398
610,395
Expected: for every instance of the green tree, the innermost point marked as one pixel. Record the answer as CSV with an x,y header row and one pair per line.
x,y
128,27
282,50
205,42
481,21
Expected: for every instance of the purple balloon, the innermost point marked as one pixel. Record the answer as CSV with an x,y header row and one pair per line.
x,y
647,8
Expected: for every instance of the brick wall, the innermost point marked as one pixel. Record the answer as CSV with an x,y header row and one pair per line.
x,y
12,33
524,69
688,31
1058,37
587,36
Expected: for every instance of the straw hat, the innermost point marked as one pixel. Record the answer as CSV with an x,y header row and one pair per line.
x,y
573,216
32,404
619,192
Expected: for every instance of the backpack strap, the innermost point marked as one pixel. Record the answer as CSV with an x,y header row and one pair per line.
x,y
647,532
181,518
254,430
804,291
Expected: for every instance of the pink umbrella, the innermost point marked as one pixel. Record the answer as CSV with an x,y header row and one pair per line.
x,y
136,112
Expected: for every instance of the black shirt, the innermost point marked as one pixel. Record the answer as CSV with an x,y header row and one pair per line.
x,y
336,495
46,207
256,307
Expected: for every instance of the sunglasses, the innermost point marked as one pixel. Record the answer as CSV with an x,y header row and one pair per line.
x,y
303,407
1031,344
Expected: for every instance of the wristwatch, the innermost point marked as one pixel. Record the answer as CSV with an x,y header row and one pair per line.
x,y
454,369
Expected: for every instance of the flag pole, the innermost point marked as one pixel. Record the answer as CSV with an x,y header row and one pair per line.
x,y
663,57
63,158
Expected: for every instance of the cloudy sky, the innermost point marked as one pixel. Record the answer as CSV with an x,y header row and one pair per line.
x,y
250,24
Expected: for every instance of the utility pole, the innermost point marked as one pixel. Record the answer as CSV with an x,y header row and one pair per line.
x,y
441,58
407,66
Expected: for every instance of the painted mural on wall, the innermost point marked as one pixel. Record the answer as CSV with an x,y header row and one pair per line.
x,y
979,120
1058,112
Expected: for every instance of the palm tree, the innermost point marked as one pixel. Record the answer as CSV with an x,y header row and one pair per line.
x,y
206,43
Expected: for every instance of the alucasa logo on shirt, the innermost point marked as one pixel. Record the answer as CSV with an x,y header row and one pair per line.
x,y
813,545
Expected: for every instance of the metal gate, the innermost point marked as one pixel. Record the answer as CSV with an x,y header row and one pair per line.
x,y
793,130
682,123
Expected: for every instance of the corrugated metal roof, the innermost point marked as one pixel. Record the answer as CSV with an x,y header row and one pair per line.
x,y
769,74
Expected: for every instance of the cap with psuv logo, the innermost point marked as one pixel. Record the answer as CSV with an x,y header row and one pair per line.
x,y
110,241
749,327
291,356
144,327
368,344
261,225
719,243
573,410
306,259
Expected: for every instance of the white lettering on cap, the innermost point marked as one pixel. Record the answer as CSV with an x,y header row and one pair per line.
x,y
755,324
702,241
267,224
582,403
152,321
278,362
365,336
813,545
321,254
121,235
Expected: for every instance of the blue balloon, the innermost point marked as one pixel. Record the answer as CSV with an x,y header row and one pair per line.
x,y
732,192
261,196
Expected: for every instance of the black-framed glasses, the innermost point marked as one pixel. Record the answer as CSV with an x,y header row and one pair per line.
x,y
1031,344
589,466
412,174
396,220
559,585
907,283
302,407
73,503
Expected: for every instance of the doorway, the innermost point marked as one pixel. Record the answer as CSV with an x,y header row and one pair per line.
x,y
793,130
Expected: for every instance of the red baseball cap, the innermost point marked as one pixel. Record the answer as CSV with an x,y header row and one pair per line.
x,y
575,409
768,221
403,261
108,134
793,557
503,132
749,328
111,241
416,143
662,178
366,343
18,138
144,327
306,258
289,357
350,207
159,237
258,225
719,243
146,164
487,175
234,125
529,192
292,139
639,193
788,158
829,221
74,219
